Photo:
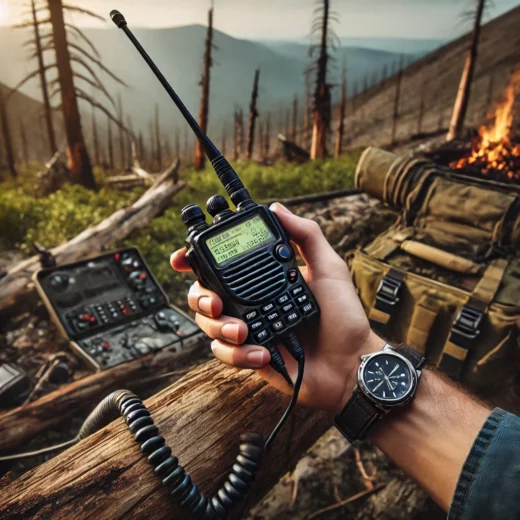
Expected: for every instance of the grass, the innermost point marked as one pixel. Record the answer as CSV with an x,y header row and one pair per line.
x,y
26,217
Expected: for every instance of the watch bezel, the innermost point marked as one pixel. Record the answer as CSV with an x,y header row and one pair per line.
x,y
383,403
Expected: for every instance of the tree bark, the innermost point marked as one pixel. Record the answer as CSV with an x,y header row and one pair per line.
x,y
342,112
25,422
24,143
47,111
462,101
110,146
95,139
157,139
16,284
322,101
253,114
201,417
307,114
6,135
200,157
78,159
294,129
123,163
397,99
239,134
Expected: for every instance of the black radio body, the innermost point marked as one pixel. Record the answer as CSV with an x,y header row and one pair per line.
x,y
246,258
112,310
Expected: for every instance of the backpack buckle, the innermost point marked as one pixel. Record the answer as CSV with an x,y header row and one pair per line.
x,y
466,326
387,294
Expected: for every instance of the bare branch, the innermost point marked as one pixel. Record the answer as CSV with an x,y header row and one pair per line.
x,y
32,75
83,95
78,59
96,84
82,35
76,9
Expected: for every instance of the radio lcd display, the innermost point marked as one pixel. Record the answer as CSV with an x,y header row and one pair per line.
x,y
239,239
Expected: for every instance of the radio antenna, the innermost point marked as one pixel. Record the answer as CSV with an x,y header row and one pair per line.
x,y
227,175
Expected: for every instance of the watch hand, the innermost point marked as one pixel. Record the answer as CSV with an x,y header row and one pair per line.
x,y
395,368
378,385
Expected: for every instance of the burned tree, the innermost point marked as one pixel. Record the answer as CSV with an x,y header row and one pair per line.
x,y
122,150
6,135
322,96
24,144
200,158
462,101
342,113
294,128
157,139
397,99
95,140
110,145
253,114
307,113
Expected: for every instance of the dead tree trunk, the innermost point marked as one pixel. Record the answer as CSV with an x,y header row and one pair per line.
x,y
140,148
253,114
397,99
123,163
342,113
110,146
462,101
16,284
47,112
294,129
95,139
322,101
24,144
78,159
422,103
201,416
307,113
157,139
200,158
6,135
260,141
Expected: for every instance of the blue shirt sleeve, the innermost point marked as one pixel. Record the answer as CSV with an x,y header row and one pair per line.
x,y
489,484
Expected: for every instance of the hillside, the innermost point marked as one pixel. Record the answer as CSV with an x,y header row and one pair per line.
x,y
178,51
440,71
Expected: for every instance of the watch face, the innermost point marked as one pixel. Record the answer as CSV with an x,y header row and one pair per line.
x,y
387,378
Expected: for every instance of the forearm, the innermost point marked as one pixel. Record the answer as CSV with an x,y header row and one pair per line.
x,y
430,439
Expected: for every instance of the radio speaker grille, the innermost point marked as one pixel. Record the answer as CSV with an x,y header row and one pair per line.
x,y
255,277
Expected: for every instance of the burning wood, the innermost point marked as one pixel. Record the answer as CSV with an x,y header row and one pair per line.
x,y
494,153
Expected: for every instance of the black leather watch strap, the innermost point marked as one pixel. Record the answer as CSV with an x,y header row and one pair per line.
x,y
356,418
409,353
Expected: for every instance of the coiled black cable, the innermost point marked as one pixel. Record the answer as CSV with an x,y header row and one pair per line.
x,y
166,465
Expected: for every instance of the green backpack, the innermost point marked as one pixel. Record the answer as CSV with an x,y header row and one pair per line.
x,y
445,278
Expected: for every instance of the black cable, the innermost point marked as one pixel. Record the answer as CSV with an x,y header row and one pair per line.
x,y
166,466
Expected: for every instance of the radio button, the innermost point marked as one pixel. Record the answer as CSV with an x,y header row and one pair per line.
x,y
250,316
256,325
288,307
301,300
262,336
268,308
284,253
273,316
307,309
297,290
292,317
283,299
277,326
293,275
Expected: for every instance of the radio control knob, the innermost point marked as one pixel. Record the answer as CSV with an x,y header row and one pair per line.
x,y
192,214
284,252
216,204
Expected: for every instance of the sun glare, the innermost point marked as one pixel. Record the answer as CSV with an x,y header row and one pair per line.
x,y
3,10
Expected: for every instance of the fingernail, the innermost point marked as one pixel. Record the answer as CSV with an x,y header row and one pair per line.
x,y
256,358
204,304
214,348
230,331
279,207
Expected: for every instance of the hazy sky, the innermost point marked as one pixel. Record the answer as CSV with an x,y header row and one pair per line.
x,y
288,19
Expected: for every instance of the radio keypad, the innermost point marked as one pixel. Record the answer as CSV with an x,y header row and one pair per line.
x,y
284,312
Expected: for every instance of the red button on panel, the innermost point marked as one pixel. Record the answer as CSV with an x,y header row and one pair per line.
x,y
106,345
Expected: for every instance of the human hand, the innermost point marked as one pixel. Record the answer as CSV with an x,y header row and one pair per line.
x,y
332,349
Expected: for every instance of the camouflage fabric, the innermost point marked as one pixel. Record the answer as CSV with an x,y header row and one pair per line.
x,y
445,278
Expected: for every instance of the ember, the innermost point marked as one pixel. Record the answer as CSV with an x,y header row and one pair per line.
x,y
493,152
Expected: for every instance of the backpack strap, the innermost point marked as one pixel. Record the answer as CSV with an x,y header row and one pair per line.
x,y
466,327
387,297
423,317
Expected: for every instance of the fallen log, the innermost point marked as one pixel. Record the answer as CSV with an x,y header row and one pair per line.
x,y
17,284
315,197
201,418
25,422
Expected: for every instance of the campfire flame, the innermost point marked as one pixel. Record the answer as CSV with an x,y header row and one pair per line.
x,y
493,151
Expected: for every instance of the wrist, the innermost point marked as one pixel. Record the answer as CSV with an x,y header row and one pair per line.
x,y
372,344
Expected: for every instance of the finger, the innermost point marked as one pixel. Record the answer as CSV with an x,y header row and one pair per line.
x,y
307,235
224,328
245,356
178,261
204,301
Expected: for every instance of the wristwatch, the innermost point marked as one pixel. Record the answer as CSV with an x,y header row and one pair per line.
x,y
386,380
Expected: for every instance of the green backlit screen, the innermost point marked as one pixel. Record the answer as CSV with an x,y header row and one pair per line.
x,y
239,239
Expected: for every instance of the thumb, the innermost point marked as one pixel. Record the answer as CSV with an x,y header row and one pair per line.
x,y
320,257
